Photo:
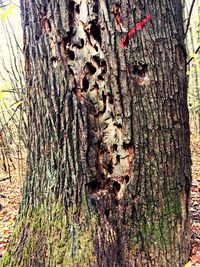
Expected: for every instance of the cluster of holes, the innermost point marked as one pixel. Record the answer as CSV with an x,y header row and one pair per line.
x,y
112,186
96,186
90,70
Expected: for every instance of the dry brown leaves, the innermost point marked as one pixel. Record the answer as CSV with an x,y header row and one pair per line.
x,y
10,195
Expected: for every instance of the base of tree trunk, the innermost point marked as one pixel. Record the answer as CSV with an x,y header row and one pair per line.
x,y
58,238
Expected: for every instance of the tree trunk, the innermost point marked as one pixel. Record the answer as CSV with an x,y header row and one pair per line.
x,y
108,178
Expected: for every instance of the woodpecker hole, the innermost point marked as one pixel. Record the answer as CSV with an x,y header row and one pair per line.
x,y
104,66
90,68
116,187
118,158
100,77
104,97
140,70
115,147
97,60
96,48
93,187
126,178
127,146
71,6
95,31
71,54
107,213
96,8
110,168
118,125
78,9
85,84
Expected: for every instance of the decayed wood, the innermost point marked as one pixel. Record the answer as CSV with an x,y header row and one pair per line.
x,y
108,177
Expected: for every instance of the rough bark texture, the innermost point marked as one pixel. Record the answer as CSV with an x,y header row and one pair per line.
x,y
108,177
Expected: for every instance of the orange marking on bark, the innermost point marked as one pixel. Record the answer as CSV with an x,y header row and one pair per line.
x,y
139,25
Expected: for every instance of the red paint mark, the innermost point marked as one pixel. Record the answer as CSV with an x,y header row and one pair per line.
x,y
124,40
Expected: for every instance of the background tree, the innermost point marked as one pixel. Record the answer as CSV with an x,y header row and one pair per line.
x,y
192,21
12,116
108,176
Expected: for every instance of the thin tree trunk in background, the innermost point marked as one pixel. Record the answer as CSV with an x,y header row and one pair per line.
x,y
191,35
108,176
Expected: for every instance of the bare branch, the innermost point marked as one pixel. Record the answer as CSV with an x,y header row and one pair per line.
x,y
5,5
193,57
188,20
6,178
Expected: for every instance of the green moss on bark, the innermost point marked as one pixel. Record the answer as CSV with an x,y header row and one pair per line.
x,y
58,238
155,230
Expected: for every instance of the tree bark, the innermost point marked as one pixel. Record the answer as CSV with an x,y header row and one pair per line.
x,y
108,178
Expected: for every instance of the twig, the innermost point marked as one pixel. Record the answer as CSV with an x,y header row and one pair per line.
x,y
5,5
6,178
190,13
193,95
193,57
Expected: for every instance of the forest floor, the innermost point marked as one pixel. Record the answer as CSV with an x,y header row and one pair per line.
x,y
10,195
195,202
